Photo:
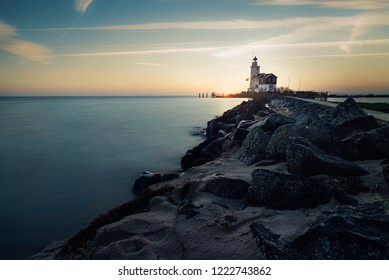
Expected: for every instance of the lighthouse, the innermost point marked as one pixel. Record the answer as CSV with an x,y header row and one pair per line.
x,y
261,82
253,74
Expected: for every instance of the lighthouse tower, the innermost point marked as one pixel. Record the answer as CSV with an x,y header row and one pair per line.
x,y
253,75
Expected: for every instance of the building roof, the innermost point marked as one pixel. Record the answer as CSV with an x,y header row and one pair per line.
x,y
265,75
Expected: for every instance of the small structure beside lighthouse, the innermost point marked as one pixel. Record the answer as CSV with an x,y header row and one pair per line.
x,y
261,82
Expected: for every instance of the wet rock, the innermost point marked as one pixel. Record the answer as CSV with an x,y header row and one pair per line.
x,y
193,157
286,192
345,235
365,145
238,135
147,179
213,150
225,187
169,177
304,158
254,147
277,146
214,126
346,111
349,128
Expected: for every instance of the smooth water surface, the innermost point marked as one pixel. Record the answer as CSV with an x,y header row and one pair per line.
x,y
65,160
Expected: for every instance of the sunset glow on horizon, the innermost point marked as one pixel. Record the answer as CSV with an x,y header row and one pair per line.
x,y
181,47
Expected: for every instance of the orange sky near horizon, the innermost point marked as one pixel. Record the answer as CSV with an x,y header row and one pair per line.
x,y
158,47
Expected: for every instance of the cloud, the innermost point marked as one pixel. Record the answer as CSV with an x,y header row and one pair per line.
x,y
338,55
141,52
28,50
81,5
344,4
150,64
6,29
365,19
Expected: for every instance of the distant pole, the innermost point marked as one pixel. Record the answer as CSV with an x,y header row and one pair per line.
x,y
300,84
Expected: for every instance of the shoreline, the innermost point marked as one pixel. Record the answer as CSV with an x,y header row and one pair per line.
x,y
216,209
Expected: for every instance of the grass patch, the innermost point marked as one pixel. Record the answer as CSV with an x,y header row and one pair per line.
x,y
381,107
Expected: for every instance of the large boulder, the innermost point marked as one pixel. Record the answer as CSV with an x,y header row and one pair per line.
x,y
213,150
354,126
147,179
347,234
272,122
278,142
286,192
226,187
304,158
365,145
346,111
254,147
193,157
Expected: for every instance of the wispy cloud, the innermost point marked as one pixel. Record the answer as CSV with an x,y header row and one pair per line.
x,y
344,4
150,64
351,55
140,52
28,50
81,5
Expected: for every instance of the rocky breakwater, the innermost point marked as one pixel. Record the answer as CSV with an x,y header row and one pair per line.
x,y
274,179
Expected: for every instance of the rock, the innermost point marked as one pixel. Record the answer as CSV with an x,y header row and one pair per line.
x,y
349,128
254,147
272,122
276,148
343,198
344,235
238,135
245,124
225,187
267,162
169,177
365,145
286,192
213,150
193,157
304,158
214,126
385,171
243,116
314,129
188,209
346,111
147,179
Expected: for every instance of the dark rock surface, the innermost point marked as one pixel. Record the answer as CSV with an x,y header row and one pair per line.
x,y
343,198
272,122
147,179
304,158
225,187
365,145
350,233
278,142
346,111
316,130
349,128
254,146
286,192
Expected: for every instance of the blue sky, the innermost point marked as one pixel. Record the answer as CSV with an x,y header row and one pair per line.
x,y
188,46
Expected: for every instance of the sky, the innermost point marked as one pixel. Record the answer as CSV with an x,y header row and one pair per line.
x,y
183,47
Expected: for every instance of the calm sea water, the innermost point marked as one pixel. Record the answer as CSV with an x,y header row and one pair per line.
x,y
65,160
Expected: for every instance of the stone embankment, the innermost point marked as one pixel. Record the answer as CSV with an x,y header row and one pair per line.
x,y
274,179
